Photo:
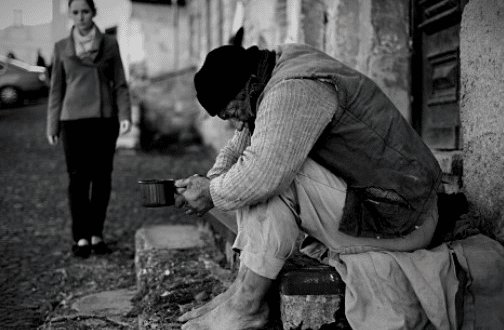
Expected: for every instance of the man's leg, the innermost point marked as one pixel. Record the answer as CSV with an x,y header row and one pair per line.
x,y
268,233
267,236
321,197
220,299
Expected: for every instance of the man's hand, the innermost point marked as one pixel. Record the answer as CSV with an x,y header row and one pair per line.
x,y
194,194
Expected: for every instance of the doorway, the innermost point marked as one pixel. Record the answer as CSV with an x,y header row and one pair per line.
x,y
435,28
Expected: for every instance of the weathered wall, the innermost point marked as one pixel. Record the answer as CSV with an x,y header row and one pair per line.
x,y
482,108
260,24
168,110
368,35
372,36
164,34
163,87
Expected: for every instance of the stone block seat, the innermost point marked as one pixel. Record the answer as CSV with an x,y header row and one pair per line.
x,y
311,293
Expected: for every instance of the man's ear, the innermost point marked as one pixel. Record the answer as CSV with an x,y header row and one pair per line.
x,y
237,39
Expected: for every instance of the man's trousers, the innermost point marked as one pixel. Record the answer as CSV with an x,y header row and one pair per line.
x,y
269,232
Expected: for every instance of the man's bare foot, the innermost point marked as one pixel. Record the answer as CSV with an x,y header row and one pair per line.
x,y
245,309
220,299
200,311
229,316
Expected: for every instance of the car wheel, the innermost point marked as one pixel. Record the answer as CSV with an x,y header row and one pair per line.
x,y
10,96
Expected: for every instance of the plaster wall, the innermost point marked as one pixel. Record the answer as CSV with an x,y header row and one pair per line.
x,y
482,106
372,36
260,24
158,24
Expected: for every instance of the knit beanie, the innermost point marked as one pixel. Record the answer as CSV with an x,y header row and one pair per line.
x,y
224,73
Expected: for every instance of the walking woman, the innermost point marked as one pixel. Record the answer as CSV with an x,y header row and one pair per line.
x,y
89,106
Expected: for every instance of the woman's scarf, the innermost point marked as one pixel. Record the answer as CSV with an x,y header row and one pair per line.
x,y
86,47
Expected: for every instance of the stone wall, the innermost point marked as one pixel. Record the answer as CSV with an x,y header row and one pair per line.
x,y
482,108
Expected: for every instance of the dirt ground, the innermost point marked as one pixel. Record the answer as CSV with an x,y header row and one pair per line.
x,y
39,278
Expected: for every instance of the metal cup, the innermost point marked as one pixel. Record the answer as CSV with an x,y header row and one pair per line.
x,y
157,193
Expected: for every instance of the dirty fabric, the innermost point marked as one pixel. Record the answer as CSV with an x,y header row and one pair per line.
x,y
400,290
483,260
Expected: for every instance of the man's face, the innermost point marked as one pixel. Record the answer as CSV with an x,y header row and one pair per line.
x,y
239,110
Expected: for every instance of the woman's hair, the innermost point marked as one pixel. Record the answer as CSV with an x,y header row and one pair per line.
x,y
90,3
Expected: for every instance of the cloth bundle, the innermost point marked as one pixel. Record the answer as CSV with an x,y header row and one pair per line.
x,y
419,290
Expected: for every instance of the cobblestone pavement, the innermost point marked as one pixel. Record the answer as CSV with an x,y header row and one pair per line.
x,y
37,272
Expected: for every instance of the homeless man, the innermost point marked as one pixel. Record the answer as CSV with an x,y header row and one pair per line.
x,y
319,150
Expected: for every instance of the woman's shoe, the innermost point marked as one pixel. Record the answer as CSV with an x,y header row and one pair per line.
x,y
81,249
98,246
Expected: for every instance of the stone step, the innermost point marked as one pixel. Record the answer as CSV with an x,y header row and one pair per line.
x,y
154,248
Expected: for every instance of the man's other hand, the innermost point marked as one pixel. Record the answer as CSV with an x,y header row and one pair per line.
x,y
193,193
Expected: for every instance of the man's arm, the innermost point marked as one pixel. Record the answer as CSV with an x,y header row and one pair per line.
x,y
230,153
291,117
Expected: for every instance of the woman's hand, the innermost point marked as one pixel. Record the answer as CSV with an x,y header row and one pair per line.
x,y
194,194
53,139
124,127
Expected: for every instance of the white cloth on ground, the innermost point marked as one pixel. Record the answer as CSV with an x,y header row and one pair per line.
x,y
416,290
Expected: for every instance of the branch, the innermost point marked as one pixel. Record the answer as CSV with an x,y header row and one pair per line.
x,y
86,317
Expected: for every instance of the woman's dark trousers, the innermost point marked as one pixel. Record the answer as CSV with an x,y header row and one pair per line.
x,y
89,146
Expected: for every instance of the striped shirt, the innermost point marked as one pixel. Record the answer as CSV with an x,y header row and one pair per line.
x,y
290,118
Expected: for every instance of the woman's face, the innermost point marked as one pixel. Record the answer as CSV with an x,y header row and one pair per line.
x,y
81,15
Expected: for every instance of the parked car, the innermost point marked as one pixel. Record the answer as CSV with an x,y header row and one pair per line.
x,y
20,81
